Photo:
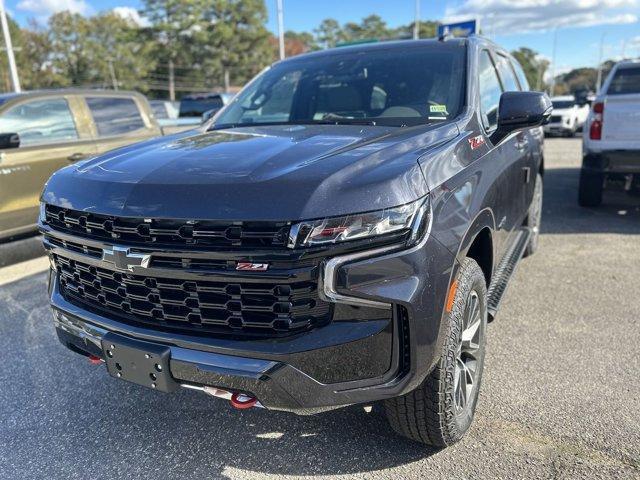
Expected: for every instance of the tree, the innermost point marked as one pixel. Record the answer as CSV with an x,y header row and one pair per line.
x,y
371,27
533,65
426,29
173,26
296,43
68,36
328,33
119,52
234,40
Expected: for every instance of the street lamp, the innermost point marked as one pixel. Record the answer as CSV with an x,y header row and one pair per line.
x,y
15,81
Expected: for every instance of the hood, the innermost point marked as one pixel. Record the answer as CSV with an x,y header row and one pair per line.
x,y
260,173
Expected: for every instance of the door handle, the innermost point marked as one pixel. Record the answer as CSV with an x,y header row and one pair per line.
x,y
74,157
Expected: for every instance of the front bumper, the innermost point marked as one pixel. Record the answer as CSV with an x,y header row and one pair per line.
x,y
346,362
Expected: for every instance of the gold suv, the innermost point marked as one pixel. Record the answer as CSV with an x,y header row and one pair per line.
x,y
43,131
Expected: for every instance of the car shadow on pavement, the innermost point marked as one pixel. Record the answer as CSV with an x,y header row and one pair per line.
x,y
207,438
619,212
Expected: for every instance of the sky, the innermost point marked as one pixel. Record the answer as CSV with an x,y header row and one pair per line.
x,y
579,26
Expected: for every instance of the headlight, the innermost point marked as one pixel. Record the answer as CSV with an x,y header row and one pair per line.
x,y
410,219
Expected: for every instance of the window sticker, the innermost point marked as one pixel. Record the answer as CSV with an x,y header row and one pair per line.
x,y
438,109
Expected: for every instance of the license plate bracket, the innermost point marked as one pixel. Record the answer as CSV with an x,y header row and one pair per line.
x,y
139,362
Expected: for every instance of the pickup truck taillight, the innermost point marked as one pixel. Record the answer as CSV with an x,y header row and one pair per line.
x,y
595,131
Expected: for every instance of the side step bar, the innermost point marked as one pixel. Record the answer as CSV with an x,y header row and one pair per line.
x,y
505,269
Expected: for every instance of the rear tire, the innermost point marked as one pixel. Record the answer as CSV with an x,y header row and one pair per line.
x,y
590,188
534,217
440,411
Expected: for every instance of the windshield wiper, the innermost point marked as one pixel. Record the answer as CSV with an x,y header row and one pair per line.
x,y
325,121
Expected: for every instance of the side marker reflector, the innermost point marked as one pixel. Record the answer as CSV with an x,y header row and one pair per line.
x,y
452,296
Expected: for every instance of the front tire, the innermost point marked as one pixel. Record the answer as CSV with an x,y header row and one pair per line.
x,y
590,188
440,411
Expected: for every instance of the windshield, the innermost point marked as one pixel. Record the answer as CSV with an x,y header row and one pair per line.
x,y
626,80
557,104
381,87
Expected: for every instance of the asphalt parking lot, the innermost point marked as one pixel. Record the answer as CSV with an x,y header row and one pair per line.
x,y
560,396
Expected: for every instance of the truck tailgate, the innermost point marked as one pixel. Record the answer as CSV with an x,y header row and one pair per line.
x,y
622,118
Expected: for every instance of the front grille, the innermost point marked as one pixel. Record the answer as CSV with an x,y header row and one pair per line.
x,y
167,232
193,306
556,119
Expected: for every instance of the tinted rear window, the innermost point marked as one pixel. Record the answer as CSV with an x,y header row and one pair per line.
x,y
115,116
625,80
195,107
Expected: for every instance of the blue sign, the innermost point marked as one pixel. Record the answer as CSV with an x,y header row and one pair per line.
x,y
459,29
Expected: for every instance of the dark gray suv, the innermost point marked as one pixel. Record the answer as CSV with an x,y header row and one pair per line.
x,y
339,234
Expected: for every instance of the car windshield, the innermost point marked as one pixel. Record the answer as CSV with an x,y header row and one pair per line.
x,y
626,80
379,87
557,104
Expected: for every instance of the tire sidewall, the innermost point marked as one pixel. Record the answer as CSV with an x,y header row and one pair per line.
x,y
470,278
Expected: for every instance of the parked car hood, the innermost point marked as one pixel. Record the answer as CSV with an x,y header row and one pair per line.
x,y
259,173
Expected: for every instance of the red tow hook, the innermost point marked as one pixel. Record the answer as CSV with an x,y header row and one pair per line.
x,y
93,360
242,401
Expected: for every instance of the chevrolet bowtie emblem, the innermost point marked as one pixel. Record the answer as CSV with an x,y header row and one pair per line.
x,y
123,259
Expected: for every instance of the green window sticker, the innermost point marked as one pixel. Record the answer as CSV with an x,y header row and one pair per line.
x,y
438,109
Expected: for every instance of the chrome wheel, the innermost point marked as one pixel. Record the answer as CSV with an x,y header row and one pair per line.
x,y
468,355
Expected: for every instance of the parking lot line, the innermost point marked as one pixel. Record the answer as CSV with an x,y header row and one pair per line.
x,y
21,270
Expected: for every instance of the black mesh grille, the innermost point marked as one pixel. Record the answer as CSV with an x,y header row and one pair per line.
x,y
194,305
174,233
556,119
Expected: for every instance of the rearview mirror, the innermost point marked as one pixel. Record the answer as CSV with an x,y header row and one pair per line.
x,y
9,140
520,110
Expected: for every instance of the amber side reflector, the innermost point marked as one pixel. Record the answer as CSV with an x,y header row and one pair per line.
x,y
452,295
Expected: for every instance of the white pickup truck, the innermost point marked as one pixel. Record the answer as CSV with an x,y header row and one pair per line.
x,y
568,116
611,137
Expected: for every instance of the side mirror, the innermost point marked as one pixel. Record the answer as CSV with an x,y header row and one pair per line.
x,y
520,110
9,140
209,114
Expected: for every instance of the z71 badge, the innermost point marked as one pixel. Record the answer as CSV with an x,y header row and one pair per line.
x,y
476,141
253,267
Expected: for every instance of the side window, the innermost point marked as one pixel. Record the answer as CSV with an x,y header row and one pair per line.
x,y
114,116
522,78
40,122
490,91
509,81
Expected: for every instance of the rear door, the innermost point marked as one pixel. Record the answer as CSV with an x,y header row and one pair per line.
x,y
118,121
621,125
51,137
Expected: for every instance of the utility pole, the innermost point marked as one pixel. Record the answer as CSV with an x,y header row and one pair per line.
x,y
553,65
280,29
172,83
416,22
112,73
599,81
13,70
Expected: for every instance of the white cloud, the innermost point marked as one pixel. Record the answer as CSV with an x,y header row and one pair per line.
x,y
520,16
44,8
130,13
